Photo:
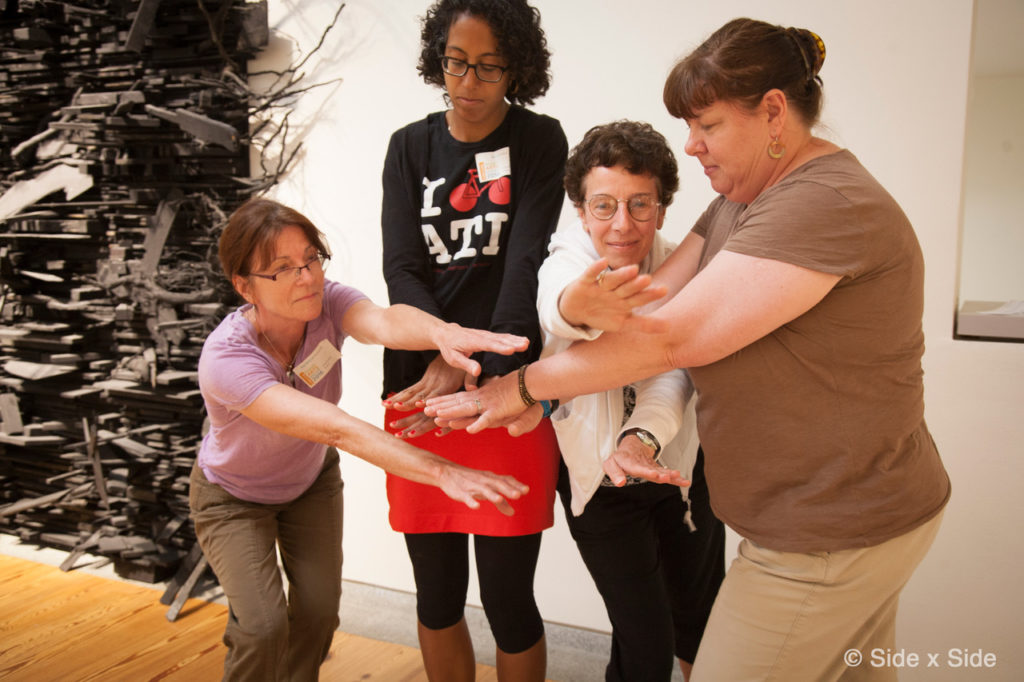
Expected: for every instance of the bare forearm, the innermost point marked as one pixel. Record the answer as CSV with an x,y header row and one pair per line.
x,y
404,327
394,455
613,360
292,413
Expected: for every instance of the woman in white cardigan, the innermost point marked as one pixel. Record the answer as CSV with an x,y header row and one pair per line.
x,y
655,551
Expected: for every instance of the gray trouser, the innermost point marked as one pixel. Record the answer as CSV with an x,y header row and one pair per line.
x,y
268,636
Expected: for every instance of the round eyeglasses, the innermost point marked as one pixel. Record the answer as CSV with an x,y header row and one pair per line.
x,y
488,73
292,274
642,207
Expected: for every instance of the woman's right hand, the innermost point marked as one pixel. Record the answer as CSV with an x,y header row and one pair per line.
x,y
469,486
440,378
633,458
602,298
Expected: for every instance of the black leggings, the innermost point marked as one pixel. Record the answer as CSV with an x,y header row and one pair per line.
x,y
505,567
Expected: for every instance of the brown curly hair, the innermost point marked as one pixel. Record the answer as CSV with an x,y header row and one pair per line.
x,y
635,145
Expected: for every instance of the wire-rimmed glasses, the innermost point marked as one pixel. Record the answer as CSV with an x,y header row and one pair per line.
x,y
642,207
291,274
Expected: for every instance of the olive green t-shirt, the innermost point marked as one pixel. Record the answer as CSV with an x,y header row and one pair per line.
x,y
814,435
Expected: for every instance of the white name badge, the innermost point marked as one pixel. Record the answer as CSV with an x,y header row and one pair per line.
x,y
318,364
493,165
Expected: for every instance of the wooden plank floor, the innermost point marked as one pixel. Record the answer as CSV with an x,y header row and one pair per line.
x,y
75,626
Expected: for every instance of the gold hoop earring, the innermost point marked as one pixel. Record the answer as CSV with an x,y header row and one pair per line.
x,y
776,149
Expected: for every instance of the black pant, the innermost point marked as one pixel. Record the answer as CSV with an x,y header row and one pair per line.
x,y
505,567
658,580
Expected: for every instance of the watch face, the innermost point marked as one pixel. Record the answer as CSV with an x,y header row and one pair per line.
x,y
648,440
645,437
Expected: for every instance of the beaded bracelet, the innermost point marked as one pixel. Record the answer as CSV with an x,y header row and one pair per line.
x,y
524,394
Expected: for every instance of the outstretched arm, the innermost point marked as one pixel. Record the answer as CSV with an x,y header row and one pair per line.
x,y
291,412
403,327
734,301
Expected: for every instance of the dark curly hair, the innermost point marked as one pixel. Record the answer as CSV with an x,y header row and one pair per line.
x,y
635,145
516,27
742,61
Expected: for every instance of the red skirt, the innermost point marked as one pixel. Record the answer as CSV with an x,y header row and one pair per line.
x,y
531,458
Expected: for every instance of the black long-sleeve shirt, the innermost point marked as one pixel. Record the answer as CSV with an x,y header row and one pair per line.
x,y
464,248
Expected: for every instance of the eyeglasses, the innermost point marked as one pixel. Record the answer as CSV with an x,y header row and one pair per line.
x,y
315,266
642,207
488,73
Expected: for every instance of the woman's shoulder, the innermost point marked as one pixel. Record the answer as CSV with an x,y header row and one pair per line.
x,y
838,178
535,122
571,238
418,129
720,204
335,292
233,328
338,299
837,167
232,338
720,209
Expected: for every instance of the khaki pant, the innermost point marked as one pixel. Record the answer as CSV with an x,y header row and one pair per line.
x,y
271,637
793,616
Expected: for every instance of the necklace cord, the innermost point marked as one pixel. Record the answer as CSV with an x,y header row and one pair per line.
x,y
290,366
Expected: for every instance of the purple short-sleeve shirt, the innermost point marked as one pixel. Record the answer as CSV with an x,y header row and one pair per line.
x,y
248,460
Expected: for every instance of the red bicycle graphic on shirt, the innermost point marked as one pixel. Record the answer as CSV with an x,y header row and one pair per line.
x,y
465,196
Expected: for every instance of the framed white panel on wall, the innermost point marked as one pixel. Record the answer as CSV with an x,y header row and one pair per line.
x,y
991,284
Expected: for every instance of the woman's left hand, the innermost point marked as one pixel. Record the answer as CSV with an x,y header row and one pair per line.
x,y
496,404
469,486
458,343
633,458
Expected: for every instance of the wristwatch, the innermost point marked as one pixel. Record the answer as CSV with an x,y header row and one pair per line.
x,y
645,437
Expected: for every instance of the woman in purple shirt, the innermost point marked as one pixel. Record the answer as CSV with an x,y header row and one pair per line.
x,y
267,476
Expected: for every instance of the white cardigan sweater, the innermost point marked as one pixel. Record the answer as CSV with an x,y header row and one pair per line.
x,y
589,426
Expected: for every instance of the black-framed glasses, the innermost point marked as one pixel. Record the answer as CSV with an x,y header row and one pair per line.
x,y
292,274
488,73
642,207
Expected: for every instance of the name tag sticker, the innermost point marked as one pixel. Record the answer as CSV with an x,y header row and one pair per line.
x,y
493,165
318,364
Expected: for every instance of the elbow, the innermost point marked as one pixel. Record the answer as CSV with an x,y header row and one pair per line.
x,y
667,344
673,359
684,346
687,356
683,354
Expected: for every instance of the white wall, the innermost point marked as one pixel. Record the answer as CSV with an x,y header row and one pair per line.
x,y
896,81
